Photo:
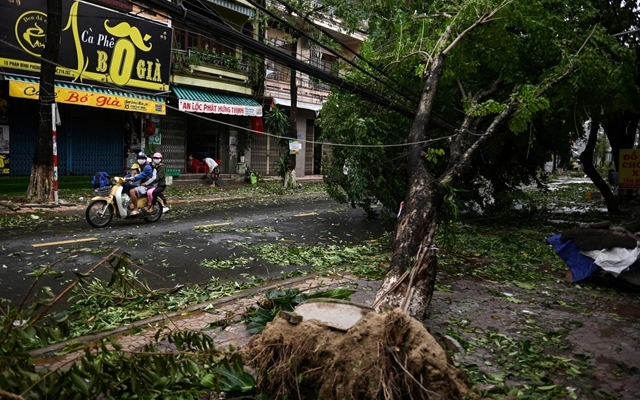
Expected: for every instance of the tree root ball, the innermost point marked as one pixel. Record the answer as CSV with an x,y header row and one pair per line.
x,y
383,356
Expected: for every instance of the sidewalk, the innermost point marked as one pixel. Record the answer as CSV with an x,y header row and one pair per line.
x,y
224,191
482,323
225,311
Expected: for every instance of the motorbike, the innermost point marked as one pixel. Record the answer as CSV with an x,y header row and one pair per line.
x,y
111,200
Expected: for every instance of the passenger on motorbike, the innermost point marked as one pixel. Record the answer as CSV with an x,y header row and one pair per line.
x,y
160,184
135,170
144,176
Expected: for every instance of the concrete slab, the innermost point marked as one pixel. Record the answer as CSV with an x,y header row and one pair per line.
x,y
336,314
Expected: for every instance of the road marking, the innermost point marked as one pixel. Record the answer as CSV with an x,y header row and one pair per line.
x,y
64,242
305,215
219,224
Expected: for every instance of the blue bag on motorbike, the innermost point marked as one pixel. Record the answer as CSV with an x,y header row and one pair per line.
x,y
101,183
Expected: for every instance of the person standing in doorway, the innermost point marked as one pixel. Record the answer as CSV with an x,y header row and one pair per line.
x,y
213,171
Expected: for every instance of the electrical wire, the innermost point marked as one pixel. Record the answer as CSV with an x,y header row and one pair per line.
x,y
394,87
197,115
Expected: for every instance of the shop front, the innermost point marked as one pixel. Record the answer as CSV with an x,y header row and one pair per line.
x,y
216,123
89,138
113,71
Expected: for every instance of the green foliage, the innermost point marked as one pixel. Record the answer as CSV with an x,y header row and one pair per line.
x,y
449,218
193,368
363,259
487,108
541,55
277,122
434,154
527,361
198,56
281,166
529,104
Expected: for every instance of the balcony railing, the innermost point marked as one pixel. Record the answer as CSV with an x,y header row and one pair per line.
x,y
285,76
184,59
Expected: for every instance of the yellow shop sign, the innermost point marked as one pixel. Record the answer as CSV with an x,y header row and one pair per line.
x,y
28,90
629,169
96,45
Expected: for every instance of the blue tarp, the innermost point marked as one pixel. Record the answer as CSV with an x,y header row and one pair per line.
x,y
580,265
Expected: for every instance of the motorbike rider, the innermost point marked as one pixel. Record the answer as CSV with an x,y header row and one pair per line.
x,y
160,183
144,176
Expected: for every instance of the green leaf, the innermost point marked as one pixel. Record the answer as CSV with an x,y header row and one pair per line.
x,y
208,381
513,300
260,319
233,377
79,383
339,293
524,285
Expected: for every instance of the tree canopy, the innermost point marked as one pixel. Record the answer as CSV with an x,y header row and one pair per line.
x,y
497,85
522,50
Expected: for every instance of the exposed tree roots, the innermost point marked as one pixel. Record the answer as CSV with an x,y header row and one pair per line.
x,y
384,356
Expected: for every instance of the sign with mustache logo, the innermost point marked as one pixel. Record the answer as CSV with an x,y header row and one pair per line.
x,y
97,45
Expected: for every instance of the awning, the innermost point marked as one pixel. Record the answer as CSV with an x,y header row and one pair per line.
x,y
300,104
87,95
211,102
234,6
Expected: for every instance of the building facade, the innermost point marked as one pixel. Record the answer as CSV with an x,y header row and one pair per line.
x,y
128,79
131,79
111,70
311,95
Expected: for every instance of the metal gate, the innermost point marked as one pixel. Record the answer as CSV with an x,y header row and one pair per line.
x,y
173,128
265,152
309,147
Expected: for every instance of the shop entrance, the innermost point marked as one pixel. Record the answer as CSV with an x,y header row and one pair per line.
x,y
203,138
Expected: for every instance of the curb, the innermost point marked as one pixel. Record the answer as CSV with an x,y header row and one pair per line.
x,y
161,317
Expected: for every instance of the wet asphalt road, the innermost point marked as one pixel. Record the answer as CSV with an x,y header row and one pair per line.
x,y
171,250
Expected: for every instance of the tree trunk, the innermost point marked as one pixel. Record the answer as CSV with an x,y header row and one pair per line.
x,y
41,180
293,116
621,132
586,157
414,241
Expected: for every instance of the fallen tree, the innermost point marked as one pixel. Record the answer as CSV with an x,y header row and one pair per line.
x,y
490,66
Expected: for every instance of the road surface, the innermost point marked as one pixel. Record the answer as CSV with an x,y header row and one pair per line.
x,y
172,250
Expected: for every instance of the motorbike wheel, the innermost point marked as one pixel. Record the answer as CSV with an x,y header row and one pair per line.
x,y
99,213
156,214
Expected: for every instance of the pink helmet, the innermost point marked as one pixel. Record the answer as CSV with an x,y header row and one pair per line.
x,y
157,155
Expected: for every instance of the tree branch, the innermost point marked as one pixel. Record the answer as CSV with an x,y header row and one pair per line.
x,y
482,20
10,395
463,162
71,286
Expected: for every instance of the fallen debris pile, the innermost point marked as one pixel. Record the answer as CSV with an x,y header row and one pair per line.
x,y
599,248
383,356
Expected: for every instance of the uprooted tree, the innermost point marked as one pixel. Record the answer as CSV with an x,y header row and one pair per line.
x,y
489,69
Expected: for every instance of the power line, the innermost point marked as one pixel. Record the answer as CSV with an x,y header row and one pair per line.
x,y
205,23
197,115
326,33
344,85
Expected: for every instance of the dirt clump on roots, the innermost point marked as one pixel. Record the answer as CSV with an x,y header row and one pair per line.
x,y
383,356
